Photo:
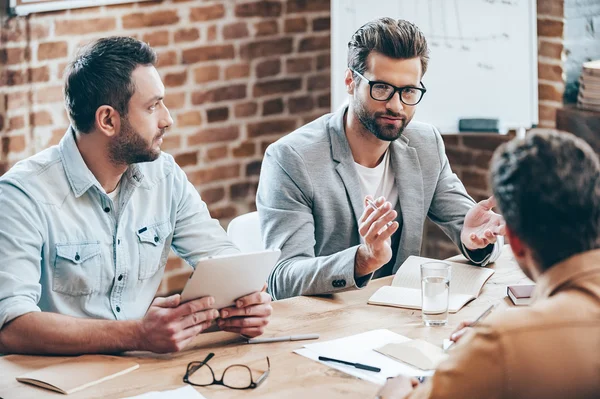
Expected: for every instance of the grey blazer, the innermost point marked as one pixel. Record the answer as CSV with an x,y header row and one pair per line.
x,y
309,201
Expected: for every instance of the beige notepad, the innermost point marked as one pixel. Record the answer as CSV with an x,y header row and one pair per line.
x,y
79,372
466,282
415,352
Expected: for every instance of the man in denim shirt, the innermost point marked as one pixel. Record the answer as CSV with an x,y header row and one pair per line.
x,y
87,225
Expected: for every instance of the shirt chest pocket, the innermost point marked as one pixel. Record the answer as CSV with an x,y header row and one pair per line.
x,y
77,268
153,252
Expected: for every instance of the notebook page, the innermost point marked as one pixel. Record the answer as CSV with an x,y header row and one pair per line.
x,y
468,280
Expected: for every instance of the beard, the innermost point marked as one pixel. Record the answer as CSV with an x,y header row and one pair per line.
x,y
385,132
129,146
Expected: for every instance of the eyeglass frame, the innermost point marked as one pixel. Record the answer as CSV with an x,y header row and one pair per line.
x,y
371,83
253,384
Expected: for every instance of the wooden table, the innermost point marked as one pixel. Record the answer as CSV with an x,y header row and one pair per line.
x,y
292,376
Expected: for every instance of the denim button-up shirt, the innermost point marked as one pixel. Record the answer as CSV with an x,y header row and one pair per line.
x,y
64,249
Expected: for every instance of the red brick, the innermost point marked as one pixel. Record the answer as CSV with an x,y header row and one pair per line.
x,y
549,49
186,35
217,114
264,145
216,153
207,53
547,112
323,61
191,118
246,149
16,123
174,100
549,28
253,168
272,107
171,142
239,191
295,25
212,195
74,27
266,28
143,20
215,135
324,101
16,144
319,82
227,212
211,33
39,75
315,43
175,79
266,48
312,117
40,118
167,58
57,135
12,77
294,6
475,180
551,8
187,158
245,109
269,67
459,157
12,56
3,167
52,50
549,92
214,174
236,30
16,30
321,24
50,94
277,86
157,38
223,93
550,72
237,71
261,9
207,73
484,141
299,65
451,140
278,126
16,100
207,13
300,104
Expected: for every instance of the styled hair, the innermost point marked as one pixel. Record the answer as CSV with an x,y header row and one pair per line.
x,y
100,75
547,187
398,39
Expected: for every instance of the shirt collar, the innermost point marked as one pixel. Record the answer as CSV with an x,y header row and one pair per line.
x,y
558,276
80,177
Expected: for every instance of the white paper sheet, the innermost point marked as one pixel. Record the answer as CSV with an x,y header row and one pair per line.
x,y
359,348
186,392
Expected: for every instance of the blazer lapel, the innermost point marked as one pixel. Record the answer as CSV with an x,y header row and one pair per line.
x,y
341,153
409,182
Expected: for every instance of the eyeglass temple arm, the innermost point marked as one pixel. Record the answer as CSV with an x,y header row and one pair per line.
x,y
265,374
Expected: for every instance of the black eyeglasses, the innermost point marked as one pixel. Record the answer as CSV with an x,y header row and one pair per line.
x,y
236,376
382,91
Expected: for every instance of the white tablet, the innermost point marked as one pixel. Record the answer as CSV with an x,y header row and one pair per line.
x,y
230,277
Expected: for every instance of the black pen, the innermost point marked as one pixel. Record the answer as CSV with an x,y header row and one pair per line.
x,y
357,365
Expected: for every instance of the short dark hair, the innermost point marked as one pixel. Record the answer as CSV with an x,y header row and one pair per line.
x,y
100,75
399,39
547,187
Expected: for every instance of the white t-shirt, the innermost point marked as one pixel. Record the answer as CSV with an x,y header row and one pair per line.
x,y
114,196
378,181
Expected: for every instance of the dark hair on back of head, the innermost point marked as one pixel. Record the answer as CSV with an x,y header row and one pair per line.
x,y
100,75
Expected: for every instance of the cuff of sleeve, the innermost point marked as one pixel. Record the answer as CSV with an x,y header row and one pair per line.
x,y
484,256
12,308
362,282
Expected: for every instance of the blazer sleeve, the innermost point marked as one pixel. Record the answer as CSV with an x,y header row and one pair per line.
x,y
284,204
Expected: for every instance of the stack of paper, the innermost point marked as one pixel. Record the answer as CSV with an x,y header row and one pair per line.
x,y
589,86
364,348
405,292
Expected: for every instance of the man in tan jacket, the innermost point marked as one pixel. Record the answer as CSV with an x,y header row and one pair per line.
x,y
548,189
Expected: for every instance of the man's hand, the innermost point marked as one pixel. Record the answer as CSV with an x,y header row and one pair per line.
x,y
249,316
169,326
397,387
374,228
462,328
482,225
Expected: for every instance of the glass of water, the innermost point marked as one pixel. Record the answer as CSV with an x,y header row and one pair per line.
x,y
435,293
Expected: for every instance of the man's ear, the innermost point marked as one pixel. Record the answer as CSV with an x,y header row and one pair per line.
x,y
108,120
349,81
516,244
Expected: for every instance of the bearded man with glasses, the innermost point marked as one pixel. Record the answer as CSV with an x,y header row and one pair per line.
x,y
346,196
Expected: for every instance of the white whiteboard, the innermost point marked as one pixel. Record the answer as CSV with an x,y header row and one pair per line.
x,y
483,56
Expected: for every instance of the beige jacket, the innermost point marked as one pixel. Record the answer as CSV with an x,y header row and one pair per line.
x,y
548,350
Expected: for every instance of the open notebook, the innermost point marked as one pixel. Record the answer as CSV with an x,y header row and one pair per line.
x,y
405,292
78,373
